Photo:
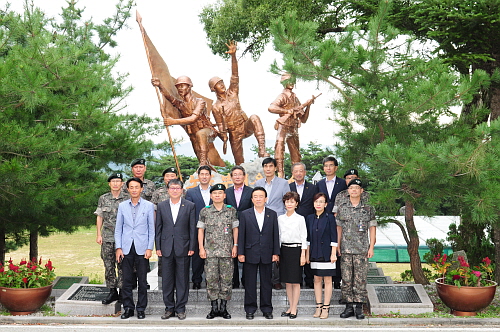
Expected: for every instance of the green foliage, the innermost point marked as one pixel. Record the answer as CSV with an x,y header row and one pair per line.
x,y
60,124
407,275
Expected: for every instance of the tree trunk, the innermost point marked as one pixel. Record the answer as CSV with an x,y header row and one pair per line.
x,y
34,245
496,242
415,264
2,245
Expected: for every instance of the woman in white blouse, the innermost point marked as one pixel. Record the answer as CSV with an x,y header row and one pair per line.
x,y
293,241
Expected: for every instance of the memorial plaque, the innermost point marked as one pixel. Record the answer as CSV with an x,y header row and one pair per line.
x,y
89,293
397,294
373,272
66,282
377,280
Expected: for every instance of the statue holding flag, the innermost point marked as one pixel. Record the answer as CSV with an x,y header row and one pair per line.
x,y
180,105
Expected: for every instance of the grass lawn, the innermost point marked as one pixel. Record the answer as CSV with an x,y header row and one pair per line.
x,y
74,254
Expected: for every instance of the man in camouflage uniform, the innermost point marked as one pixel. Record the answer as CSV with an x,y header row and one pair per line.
x,y
343,196
138,171
356,228
161,194
107,208
218,241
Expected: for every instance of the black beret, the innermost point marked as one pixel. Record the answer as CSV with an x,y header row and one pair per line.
x,y
138,161
352,171
115,176
169,170
355,181
218,186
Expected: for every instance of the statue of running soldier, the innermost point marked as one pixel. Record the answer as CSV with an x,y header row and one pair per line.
x,y
229,116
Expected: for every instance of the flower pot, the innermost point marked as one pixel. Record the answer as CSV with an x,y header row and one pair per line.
x,y
464,300
24,301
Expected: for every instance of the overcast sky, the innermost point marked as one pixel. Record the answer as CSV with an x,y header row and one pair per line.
x,y
177,33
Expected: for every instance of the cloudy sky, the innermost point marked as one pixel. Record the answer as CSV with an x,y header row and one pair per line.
x,y
174,28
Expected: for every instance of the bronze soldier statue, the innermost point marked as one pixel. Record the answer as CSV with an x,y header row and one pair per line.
x,y
193,118
229,116
292,114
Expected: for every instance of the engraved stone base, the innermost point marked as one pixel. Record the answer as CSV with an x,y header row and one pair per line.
x,y
85,300
61,284
398,298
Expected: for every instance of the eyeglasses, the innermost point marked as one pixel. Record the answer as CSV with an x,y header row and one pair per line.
x,y
174,189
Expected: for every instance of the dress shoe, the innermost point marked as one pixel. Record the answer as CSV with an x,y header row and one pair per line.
x,y
359,311
223,310
336,285
112,296
196,285
348,312
293,316
127,313
268,315
167,314
325,311
285,314
277,286
141,314
250,315
181,315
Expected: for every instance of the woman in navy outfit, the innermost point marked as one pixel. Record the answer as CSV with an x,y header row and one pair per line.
x,y
322,252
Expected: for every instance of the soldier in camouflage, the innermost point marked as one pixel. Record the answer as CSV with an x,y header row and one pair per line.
x,y
343,196
138,171
218,241
356,228
161,194
107,208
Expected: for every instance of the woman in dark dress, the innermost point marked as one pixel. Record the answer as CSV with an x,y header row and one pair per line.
x,y
322,252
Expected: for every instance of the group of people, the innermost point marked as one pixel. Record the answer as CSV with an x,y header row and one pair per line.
x,y
277,229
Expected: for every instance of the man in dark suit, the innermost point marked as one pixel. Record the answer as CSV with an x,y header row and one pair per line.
x,y
238,196
175,242
134,239
200,196
306,193
258,248
331,186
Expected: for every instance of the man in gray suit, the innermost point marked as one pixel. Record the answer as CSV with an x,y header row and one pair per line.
x,y
175,243
275,188
134,239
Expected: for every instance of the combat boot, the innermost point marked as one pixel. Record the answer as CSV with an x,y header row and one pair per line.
x,y
348,312
359,311
112,296
223,310
215,310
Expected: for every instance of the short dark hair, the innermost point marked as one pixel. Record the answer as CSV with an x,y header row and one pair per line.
x,y
175,181
241,168
318,195
330,158
204,167
261,189
269,160
136,180
291,195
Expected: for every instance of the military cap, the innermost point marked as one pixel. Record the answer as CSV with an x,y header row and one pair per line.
x,y
218,186
355,181
115,176
138,161
352,171
169,170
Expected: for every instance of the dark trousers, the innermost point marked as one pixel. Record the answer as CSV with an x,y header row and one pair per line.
x,y
309,276
175,274
236,273
130,278
197,265
338,270
266,287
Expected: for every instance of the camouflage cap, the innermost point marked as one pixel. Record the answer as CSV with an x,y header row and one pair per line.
x,y
218,186
169,170
355,181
